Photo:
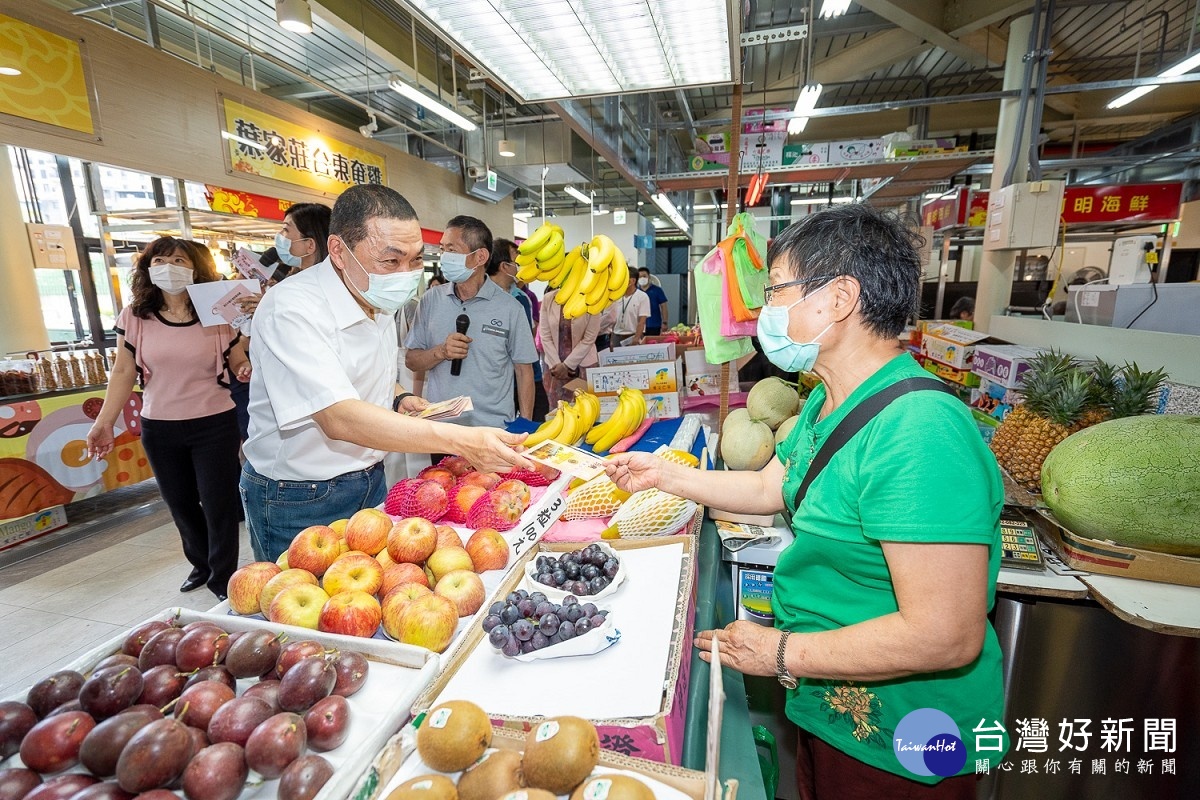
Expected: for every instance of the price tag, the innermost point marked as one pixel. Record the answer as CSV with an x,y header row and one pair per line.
x,y
537,520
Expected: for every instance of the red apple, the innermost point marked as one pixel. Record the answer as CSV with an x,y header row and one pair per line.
x,y
298,605
486,480
500,510
428,622
440,474
464,588
286,578
396,574
354,571
488,550
412,540
352,613
246,584
314,549
395,601
457,465
384,558
368,531
464,498
519,488
447,537
448,559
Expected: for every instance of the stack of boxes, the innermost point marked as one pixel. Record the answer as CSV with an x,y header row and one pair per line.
x,y
653,368
999,368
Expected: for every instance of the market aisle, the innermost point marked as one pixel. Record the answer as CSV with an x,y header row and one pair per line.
x,y
60,604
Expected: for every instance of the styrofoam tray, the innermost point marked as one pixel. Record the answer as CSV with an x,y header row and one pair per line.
x,y
397,675
556,595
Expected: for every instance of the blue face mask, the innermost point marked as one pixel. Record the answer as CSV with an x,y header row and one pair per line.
x,y
283,246
387,292
779,348
454,267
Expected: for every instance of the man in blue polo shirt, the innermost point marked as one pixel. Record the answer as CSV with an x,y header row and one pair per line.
x,y
497,348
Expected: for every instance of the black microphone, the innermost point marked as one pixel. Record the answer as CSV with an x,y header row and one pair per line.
x,y
270,256
460,326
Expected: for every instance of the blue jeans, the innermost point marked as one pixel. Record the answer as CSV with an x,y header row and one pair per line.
x,y
277,510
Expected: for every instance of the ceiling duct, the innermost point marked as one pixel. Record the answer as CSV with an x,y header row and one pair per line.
x,y
549,144
477,186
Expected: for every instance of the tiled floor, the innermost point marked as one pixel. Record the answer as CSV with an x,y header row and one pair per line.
x,y
59,604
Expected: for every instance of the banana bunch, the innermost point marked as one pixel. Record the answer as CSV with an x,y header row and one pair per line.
x,y
631,410
542,255
569,422
597,279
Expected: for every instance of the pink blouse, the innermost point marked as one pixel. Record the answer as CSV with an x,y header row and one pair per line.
x,y
181,366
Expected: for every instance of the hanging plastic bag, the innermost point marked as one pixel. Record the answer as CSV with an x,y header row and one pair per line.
x,y
709,275
749,260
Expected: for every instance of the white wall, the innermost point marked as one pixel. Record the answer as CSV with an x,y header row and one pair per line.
x,y
583,227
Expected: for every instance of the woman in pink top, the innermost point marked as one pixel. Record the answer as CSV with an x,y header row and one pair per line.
x,y
189,427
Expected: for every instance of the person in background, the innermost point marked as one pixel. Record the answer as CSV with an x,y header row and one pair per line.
x,y
568,346
881,602
497,350
437,279
608,318
633,310
963,308
323,397
502,268
657,321
189,428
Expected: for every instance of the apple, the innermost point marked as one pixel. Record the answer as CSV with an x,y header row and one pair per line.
x,y
353,572
289,577
486,480
396,574
430,580
464,588
395,601
440,474
368,531
488,550
298,605
464,498
338,526
314,549
246,584
412,540
447,537
518,488
428,622
281,562
384,558
352,613
448,559
457,465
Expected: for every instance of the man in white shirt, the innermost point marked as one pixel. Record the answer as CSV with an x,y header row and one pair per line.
x,y
323,387
632,311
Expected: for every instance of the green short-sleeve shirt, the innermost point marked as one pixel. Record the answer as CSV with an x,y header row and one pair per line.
x,y
918,472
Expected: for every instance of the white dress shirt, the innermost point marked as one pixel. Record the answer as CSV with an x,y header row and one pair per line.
x,y
313,346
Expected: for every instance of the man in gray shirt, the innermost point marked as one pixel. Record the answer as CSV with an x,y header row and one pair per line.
x,y
498,344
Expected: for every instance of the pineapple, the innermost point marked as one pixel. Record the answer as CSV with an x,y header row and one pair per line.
x,y
1137,393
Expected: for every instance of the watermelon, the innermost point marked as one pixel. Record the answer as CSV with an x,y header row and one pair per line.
x,y
1133,481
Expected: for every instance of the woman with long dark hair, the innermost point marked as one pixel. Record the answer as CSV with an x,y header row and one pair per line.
x,y
189,429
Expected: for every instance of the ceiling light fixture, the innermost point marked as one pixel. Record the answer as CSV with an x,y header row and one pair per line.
x,y
11,72
667,207
294,15
1182,68
578,195
805,103
834,8
427,102
508,148
233,137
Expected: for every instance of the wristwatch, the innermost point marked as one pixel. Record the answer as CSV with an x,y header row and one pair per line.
x,y
781,672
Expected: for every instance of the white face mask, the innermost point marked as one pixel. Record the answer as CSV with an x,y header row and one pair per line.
x,y
643,282
387,292
171,278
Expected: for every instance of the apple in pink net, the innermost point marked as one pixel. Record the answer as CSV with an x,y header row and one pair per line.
x,y
440,474
519,488
246,584
499,510
488,550
448,537
412,540
353,572
368,530
465,496
457,465
487,480
397,574
447,560
396,600
314,549
463,588
352,613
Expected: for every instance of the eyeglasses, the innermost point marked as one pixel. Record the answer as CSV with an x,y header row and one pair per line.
x,y
770,291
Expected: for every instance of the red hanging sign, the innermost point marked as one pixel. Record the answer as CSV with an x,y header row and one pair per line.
x,y
245,204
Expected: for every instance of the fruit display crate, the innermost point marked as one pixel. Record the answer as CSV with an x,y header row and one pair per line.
x,y
399,762
650,667
1107,558
397,675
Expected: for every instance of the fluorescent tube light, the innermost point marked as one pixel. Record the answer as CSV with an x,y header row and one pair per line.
x,y
578,195
667,207
10,72
233,137
805,103
294,15
1182,68
834,8
427,102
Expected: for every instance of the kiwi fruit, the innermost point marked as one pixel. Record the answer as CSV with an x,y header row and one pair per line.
x,y
529,794
454,735
499,772
425,787
560,753
612,786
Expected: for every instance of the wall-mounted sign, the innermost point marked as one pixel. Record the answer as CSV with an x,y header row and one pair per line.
x,y
52,87
1130,202
491,180
245,204
261,144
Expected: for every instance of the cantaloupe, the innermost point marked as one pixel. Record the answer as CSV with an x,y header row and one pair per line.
x,y
772,400
1133,481
781,433
746,444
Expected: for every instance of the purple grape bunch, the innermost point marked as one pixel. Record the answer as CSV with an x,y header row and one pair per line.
x,y
527,621
581,572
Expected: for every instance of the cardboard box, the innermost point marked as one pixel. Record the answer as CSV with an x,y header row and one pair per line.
x,y
1002,364
668,405
658,737
947,373
952,345
655,377
636,354
1106,558
22,529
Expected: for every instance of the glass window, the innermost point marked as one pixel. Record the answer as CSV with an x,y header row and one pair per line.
x,y
59,290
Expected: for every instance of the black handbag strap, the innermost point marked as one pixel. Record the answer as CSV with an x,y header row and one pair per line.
x,y
854,422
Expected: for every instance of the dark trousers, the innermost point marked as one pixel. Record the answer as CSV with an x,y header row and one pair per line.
x,y
196,464
240,392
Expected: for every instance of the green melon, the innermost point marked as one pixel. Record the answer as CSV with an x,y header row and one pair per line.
x,y
746,444
782,432
1133,481
772,400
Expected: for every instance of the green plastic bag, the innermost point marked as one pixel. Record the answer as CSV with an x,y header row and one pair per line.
x,y
752,280
709,275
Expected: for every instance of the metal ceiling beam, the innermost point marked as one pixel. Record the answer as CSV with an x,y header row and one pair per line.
x,y
578,120
924,20
859,60
960,17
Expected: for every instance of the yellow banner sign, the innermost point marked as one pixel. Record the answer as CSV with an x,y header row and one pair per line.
x,y
261,144
51,87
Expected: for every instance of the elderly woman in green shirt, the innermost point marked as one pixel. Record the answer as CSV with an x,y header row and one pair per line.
x,y
881,631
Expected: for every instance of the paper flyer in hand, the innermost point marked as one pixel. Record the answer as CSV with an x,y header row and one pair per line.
x,y
576,463
218,302
247,264
446,409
